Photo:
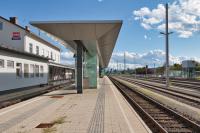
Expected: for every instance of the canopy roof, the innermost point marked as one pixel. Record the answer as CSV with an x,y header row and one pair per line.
x,y
102,34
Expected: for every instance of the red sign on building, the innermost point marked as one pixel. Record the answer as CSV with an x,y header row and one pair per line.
x,y
16,36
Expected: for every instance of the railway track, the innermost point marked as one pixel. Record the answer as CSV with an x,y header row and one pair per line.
x,y
192,84
188,91
158,118
174,94
7,99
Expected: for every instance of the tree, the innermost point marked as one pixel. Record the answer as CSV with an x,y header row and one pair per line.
x,y
141,70
177,67
160,70
197,68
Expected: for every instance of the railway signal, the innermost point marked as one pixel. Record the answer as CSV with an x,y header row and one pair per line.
x,y
146,69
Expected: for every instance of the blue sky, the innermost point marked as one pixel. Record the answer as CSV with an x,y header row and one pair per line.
x,y
133,37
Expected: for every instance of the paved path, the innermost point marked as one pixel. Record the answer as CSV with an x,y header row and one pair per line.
x,y
101,110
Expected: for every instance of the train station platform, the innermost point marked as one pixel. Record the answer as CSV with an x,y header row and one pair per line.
x,y
102,110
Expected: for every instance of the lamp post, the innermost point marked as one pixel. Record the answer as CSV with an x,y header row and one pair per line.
x,y
124,61
167,33
154,65
146,70
117,66
134,66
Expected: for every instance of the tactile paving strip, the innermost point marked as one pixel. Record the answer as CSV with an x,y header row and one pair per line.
x,y
97,121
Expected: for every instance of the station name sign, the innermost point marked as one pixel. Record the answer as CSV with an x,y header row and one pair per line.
x,y
16,36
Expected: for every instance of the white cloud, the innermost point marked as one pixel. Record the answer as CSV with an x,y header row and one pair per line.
x,y
133,60
146,26
67,55
67,58
150,58
185,34
184,17
146,37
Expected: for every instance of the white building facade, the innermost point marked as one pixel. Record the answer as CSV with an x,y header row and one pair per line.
x,y
19,70
25,58
16,37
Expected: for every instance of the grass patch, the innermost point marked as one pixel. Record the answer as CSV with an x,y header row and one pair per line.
x,y
49,130
59,120
21,132
197,78
22,126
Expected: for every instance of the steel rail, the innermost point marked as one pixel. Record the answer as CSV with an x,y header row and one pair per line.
x,y
155,123
176,82
181,97
163,87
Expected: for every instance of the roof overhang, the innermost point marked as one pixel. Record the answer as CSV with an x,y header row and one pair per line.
x,y
102,34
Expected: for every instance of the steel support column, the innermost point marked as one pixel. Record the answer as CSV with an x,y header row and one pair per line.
x,y
100,72
79,66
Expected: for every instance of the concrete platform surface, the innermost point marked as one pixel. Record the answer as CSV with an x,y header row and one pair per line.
x,y
102,110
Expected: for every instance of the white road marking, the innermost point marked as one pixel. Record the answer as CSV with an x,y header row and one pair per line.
x,y
125,117
12,109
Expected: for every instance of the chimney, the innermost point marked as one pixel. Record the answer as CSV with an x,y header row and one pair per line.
x,y
27,28
13,20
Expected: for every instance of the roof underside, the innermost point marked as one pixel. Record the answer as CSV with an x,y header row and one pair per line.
x,y
103,34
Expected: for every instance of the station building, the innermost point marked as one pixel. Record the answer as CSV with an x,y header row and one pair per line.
x,y
27,60
188,68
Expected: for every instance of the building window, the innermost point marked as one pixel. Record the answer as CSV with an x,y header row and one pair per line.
x,y
1,63
42,52
32,70
30,47
19,70
52,55
41,71
37,73
37,50
48,54
58,58
26,70
10,64
1,25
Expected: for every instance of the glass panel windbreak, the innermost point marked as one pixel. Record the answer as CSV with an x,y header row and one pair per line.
x,y
91,69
